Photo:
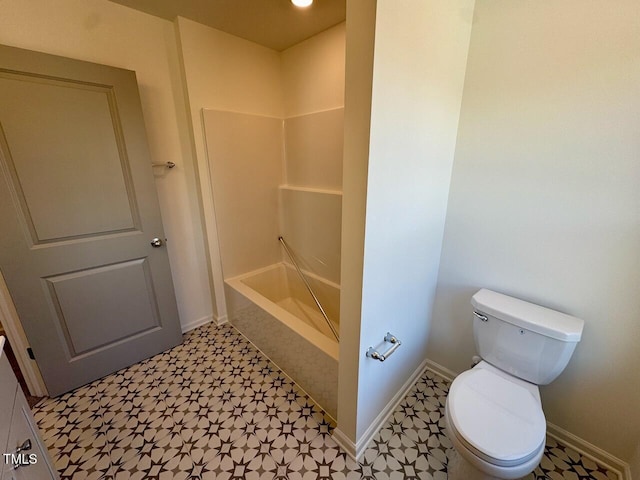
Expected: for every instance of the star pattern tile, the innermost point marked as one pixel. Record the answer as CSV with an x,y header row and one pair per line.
x,y
216,408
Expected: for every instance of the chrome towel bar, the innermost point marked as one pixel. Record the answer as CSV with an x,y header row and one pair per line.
x,y
167,164
376,355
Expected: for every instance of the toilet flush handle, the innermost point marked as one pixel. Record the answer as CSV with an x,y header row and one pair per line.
x,y
481,316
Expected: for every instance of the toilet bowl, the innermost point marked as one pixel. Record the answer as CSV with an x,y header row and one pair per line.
x,y
496,424
493,413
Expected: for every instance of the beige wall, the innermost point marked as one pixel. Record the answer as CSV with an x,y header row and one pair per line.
x,y
310,223
245,157
314,144
103,32
360,35
313,84
313,73
223,72
418,75
544,201
226,73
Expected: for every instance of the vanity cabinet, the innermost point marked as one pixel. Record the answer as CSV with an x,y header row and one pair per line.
x,y
19,433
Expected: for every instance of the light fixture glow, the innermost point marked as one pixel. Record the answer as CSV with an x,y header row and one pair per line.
x,y
302,3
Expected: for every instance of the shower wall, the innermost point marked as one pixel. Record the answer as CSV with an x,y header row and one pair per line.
x,y
311,197
311,194
274,176
222,72
245,157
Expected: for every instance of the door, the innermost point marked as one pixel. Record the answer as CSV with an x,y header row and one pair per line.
x,y
78,212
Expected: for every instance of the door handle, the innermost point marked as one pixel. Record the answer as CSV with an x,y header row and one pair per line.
x,y
156,242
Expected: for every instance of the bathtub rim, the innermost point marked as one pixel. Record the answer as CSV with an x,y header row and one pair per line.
x,y
324,343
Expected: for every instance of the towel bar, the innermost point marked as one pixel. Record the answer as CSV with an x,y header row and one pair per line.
x,y
167,164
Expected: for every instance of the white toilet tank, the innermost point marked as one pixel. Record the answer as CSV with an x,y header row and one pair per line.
x,y
528,341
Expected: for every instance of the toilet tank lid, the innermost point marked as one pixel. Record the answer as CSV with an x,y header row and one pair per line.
x,y
529,316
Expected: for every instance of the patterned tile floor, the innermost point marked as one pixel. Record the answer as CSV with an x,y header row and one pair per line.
x,y
216,408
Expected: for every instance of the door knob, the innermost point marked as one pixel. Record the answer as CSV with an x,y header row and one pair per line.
x,y
156,242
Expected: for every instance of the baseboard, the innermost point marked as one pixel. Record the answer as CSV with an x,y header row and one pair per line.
x,y
441,371
355,450
196,323
589,450
572,441
344,442
222,320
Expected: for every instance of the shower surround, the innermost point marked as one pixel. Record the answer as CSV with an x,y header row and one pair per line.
x,y
275,177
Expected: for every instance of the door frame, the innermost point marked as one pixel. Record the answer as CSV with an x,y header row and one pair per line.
x,y
18,340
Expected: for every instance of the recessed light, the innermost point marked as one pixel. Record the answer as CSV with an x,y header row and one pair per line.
x,y
302,3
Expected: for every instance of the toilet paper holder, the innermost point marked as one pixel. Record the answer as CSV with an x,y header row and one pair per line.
x,y
376,355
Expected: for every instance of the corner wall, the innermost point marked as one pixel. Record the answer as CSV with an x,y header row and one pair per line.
x,y
418,75
228,74
223,72
311,197
313,73
544,201
360,35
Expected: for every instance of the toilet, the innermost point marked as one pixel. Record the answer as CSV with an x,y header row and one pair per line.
x,y
493,412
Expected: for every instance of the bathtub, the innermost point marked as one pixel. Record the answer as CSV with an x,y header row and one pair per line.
x,y
273,309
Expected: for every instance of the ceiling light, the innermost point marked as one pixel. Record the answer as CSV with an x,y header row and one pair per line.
x,y
302,3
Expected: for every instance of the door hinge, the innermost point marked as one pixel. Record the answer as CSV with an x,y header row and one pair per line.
x,y
30,353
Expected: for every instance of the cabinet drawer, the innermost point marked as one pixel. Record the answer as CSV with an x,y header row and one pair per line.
x,y
8,388
37,464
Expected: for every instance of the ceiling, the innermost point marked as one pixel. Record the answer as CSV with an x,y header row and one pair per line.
x,y
276,24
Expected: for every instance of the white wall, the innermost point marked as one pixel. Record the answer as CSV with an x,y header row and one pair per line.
x,y
418,78
103,32
313,73
544,201
226,73
223,72
361,19
245,156
313,85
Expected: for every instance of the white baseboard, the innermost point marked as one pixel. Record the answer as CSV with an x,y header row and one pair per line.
x,y
196,323
572,441
203,321
355,450
440,370
344,442
589,450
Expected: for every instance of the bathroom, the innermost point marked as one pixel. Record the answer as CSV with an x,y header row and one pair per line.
x,y
503,100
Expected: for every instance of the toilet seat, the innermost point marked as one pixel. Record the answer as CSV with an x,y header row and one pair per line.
x,y
496,418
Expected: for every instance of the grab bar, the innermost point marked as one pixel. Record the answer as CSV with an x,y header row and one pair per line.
x,y
376,355
306,283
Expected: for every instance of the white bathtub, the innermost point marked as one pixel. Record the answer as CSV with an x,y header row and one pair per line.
x,y
273,308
